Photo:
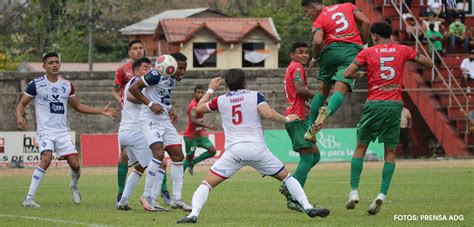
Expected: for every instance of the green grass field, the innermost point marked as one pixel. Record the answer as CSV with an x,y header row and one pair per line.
x,y
418,188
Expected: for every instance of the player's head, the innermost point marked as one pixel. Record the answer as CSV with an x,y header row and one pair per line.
x,y
136,49
51,63
299,52
235,79
181,59
198,92
432,26
312,8
141,66
380,31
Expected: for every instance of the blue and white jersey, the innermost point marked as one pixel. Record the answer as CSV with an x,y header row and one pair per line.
x,y
159,89
50,103
130,111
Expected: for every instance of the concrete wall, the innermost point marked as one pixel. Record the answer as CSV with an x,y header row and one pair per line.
x,y
96,91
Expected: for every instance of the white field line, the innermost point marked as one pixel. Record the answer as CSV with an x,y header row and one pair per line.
x,y
48,220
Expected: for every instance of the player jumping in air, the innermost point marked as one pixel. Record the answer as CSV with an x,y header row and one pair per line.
x,y
381,115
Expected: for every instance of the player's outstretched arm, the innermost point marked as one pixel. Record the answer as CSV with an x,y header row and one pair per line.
x,y
268,113
20,111
317,45
350,72
136,90
213,86
365,25
425,61
83,108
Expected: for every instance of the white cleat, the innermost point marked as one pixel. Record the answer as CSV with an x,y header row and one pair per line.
x,y
353,200
180,204
76,195
147,203
30,203
375,206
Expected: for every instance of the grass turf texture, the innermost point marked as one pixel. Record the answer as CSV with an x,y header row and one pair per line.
x,y
418,188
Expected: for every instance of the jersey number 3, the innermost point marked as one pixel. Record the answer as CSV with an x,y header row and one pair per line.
x,y
236,114
340,18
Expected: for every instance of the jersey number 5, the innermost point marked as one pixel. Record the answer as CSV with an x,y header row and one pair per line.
x,y
384,68
340,18
236,115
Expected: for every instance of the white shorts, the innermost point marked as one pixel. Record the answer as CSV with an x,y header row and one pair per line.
x,y
159,130
58,142
239,155
135,144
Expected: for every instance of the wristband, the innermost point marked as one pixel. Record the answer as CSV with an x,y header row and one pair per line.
x,y
210,91
287,119
150,104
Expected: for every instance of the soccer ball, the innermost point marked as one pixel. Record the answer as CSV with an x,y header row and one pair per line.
x,y
166,65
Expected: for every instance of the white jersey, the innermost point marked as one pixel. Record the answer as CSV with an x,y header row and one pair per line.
x,y
159,89
130,111
50,103
240,116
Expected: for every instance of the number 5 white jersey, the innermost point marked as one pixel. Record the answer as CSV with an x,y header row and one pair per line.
x,y
240,116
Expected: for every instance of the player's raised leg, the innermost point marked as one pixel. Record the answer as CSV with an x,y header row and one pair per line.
x,y
205,143
38,173
317,105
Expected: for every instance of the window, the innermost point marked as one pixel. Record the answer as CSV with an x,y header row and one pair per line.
x,y
204,55
250,56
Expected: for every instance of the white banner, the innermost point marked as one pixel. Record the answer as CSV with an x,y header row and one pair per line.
x,y
23,146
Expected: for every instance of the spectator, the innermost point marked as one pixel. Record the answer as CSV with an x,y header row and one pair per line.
x,y
457,32
405,125
451,10
467,67
435,6
438,23
471,38
436,38
411,28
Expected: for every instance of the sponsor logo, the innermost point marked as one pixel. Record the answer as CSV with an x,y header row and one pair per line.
x,y
30,145
63,89
56,108
55,97
55,89
36,177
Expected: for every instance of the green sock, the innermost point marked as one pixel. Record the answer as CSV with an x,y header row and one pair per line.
x,y
387,173
164,187
185,164
304,166
335,101
122,171
316,103
202,157
316,158
357,164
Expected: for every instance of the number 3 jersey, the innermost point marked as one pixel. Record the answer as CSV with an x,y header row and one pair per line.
x,y
50,103
158,90
240,116
385,66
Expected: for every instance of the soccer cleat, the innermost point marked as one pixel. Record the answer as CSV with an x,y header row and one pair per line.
x,y
119,197
375,206
159,208
310,135
76,195
353,200
317,212
191,169
284,191
186,219
30,203
123,207
294,205
180,204
147,203
166,197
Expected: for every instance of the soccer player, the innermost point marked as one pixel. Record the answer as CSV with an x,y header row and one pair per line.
x,y
297,96
193,136
381,115
240,110
52,94
157,118
336,42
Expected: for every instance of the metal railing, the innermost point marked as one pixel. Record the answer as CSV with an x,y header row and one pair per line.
x,y
452,84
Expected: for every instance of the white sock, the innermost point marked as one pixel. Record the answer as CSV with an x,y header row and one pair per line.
x,y
296,191
200,198
130,186
152,168
35,181
156,189
74,178
177,179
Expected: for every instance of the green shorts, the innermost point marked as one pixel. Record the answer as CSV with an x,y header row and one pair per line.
x,y
380,119
193,143
296,131
335,58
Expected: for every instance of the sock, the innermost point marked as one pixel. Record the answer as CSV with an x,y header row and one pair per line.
x,y
122,175
35,181
74,178
316,103
335,101
185,164
304,166
200,198
357,164
387,173
177,179
130,186
152,169
316,158
295,190
202,157
155,190
164,186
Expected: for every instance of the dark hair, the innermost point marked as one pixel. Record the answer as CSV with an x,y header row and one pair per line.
x,y
178,56
307,2
198,87
50,54
235,79
139,62
431,26
129,47
382,29
297,45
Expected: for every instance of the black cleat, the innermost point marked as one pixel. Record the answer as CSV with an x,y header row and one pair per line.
x,y
294,205
317,212
284,191
186,219
123,207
